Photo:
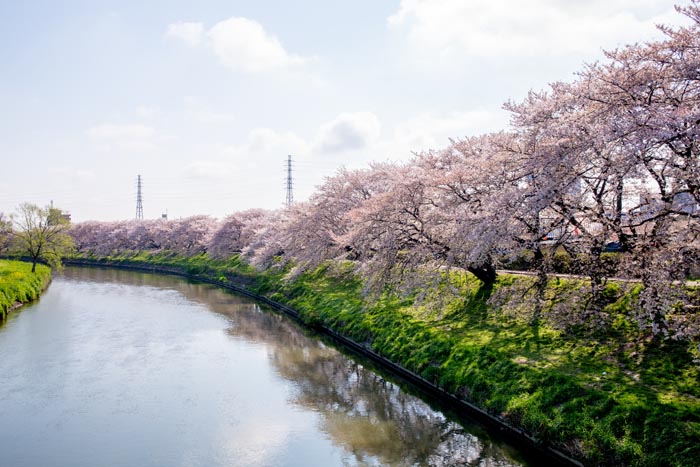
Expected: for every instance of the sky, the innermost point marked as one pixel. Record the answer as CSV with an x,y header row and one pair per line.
x,y
205,100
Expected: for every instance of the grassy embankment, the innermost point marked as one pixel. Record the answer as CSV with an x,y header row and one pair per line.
x,y
19,285
607,397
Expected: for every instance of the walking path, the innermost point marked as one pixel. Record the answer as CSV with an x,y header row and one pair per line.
x,y
689,283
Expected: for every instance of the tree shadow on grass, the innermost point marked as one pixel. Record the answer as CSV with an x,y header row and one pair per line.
x,y
475,307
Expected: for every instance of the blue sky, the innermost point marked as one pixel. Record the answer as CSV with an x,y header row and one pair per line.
x,y
206,99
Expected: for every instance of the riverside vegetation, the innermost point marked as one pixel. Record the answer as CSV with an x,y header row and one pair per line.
x,y
607,395
18,284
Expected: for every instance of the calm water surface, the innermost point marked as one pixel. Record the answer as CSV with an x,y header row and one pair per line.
x,y
116,368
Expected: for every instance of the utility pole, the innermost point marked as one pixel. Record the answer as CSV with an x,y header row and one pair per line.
x,y
290,196
139,204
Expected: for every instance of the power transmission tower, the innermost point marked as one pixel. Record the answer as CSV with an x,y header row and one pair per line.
x,y
139,204
290,196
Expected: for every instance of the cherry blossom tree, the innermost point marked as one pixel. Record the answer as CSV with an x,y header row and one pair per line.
x,y
234,233
316,231
648,96
573,176
188,236
487,203
267,240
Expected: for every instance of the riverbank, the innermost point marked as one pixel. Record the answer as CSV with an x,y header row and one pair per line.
x,y
609,397
18,285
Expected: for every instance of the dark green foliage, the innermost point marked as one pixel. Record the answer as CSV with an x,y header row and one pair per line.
x,y
562,262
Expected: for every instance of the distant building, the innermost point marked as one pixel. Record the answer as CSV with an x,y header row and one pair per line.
x,y
58,215
64,215
686,203
651,205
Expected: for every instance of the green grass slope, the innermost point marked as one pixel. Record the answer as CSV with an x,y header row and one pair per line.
x,y
19,285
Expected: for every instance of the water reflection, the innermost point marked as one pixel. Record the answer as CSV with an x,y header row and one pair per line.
x,y
368,420
369,416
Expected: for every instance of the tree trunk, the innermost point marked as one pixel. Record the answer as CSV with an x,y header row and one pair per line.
x,y
540,265
486,273
597,272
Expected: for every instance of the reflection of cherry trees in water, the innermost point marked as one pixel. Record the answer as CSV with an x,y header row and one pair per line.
x,y
215,299
371,418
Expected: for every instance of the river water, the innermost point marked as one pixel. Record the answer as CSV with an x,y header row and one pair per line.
x,y
117,368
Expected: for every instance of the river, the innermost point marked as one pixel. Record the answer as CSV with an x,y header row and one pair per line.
x,y
119,368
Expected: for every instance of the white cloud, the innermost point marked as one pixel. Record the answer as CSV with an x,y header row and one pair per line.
x,y
72,175
208,170
243,44
484,28
198,110
430,130
191,101
239,43
433,131
215,118
146,112
190,33
266,141
125,137
112,131
269,143
347,132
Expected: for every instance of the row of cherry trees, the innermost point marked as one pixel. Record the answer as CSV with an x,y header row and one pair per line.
x,y
189,236
609,160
